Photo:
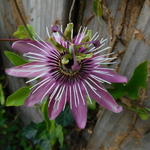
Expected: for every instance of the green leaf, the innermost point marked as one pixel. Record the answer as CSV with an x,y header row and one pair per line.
x,y
132,88
14,58
68,31
24,32
138,80
59,134
2,98
18,98
143,113
44,109
118,90
97,7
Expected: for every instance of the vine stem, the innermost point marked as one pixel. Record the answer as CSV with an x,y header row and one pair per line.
x,y
70,12
8,40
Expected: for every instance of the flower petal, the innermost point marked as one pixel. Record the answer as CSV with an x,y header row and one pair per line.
x,y
59,39
26,70
79,111
56,106
111,76
23,46
39,94
103,98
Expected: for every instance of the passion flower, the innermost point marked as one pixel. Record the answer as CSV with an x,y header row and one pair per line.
x,y
69,69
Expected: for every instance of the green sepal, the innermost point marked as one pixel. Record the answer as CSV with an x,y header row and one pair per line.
x,y
14,58
24,32
82,56
56,45
87,36
68,31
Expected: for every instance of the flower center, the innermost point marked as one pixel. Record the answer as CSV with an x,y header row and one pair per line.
x,y
69,67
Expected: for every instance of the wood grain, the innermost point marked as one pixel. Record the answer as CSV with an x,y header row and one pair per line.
x,y
124,131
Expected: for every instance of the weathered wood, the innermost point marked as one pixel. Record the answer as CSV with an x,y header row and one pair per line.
x,y
38,13
124,131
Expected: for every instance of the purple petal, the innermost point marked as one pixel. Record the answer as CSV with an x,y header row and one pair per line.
x,y
111,76
55,107
104,98
26,70
59,39
79,111
55,28
37,96
23,46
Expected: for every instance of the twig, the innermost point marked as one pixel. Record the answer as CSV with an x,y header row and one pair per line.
x,y
22,18
70,12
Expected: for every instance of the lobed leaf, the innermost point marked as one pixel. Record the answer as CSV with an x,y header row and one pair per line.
x,y
138,80
24,32
132,88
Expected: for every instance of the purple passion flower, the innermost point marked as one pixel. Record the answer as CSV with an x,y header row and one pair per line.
x,y
69,70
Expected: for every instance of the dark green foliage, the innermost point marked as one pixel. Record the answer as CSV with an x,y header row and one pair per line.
x,y
15,136
10,133
65,118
